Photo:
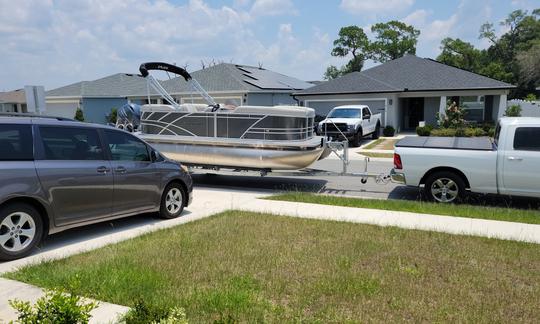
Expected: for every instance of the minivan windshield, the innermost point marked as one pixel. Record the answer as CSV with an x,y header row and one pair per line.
x,y
346,113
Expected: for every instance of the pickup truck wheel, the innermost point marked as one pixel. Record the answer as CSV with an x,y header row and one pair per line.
x,y
357,138
377,132
444,187
21,229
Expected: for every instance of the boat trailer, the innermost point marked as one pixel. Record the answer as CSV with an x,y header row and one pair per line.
x,y
338,148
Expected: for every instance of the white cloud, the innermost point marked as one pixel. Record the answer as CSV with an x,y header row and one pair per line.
x,y
273,8
368,7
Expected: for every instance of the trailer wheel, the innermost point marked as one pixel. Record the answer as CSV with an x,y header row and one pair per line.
x,y
445,187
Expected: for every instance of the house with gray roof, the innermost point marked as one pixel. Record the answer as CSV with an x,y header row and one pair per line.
x,y
225,82
410,90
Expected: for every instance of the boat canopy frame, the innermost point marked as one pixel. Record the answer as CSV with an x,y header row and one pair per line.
x,y
156,85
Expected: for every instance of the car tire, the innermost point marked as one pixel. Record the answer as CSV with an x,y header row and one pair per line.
x,y
357,139
21,229
445,187
377,132
173,201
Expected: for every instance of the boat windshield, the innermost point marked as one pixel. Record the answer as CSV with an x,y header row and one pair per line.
x,y
345,113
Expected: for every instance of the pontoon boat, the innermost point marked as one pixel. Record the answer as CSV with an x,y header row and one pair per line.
x,y
218,136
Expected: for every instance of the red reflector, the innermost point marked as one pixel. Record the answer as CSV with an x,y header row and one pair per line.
x,y
397,161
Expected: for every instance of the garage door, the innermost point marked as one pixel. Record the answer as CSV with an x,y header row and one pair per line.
x,y
322,108
66,110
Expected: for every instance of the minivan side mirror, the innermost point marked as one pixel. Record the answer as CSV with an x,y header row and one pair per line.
x,y
154,155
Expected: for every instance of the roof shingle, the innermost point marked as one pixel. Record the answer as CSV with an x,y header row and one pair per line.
x,y
408,73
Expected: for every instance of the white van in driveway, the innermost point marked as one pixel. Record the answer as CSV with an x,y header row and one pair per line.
x,y
450,166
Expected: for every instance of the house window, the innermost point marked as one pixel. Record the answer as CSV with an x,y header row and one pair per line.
x,y
474,107
152,101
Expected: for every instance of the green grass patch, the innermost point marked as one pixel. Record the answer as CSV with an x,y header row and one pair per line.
x,y
377,155
531,216
373,144
249,267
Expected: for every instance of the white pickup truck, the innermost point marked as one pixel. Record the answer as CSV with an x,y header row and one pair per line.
x,y
350,122
448,167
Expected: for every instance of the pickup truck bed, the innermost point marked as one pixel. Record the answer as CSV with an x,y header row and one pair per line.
x,y
455,143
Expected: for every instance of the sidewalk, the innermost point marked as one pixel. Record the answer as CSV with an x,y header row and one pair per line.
x,y
10,289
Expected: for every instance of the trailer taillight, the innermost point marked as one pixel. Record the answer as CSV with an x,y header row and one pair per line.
x,y
397,161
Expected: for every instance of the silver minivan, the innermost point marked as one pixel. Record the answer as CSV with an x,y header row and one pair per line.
x,y
58,174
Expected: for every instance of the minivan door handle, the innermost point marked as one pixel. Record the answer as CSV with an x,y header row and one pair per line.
x,y
120,169
514,158
103,169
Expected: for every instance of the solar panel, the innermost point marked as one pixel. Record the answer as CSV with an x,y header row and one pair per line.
x,y
265,79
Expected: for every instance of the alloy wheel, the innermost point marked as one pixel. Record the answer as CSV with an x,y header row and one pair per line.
x,y
444,190
173,201
17,231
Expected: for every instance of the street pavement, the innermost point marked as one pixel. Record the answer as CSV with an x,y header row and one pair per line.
x,y
339,185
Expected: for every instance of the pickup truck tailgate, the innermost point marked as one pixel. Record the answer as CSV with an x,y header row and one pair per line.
x,y
455,143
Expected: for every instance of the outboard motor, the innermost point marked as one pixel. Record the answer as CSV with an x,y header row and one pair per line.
x,y
129,117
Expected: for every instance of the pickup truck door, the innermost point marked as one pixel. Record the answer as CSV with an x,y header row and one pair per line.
x,y
520,162
368,124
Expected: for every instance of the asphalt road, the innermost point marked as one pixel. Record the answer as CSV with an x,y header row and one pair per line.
x,y
341,185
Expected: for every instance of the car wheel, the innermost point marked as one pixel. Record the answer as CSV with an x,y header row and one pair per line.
x,y
357,138
445,187
172,201
377,132
21,228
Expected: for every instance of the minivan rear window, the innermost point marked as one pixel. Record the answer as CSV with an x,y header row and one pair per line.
x,y
16,142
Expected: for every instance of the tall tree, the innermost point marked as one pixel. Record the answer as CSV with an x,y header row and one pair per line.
x,y
458,53
393,39
353,42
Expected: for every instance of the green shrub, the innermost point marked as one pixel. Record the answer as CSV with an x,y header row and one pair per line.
x,y
79,115
460,132
444,132
389,131
513,111
111,118
55,307
424,131
143,313
530,97
491,132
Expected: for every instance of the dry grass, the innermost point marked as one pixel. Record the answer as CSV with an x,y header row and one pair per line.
x,y
377,155
381,144
247,267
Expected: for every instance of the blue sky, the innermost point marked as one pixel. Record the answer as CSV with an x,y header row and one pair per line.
x,y
54,43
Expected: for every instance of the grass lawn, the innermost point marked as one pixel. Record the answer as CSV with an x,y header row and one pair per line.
x,y
247,267
377,155
381,144
530,216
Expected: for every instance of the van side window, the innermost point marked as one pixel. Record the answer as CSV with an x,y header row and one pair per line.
x,y
126,147
16,142
527,139
71,143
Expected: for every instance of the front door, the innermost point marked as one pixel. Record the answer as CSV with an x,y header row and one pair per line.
x,y
521,159
415,112
137,181
74,173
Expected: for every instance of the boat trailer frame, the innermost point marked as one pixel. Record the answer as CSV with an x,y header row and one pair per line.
x,y
338,148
